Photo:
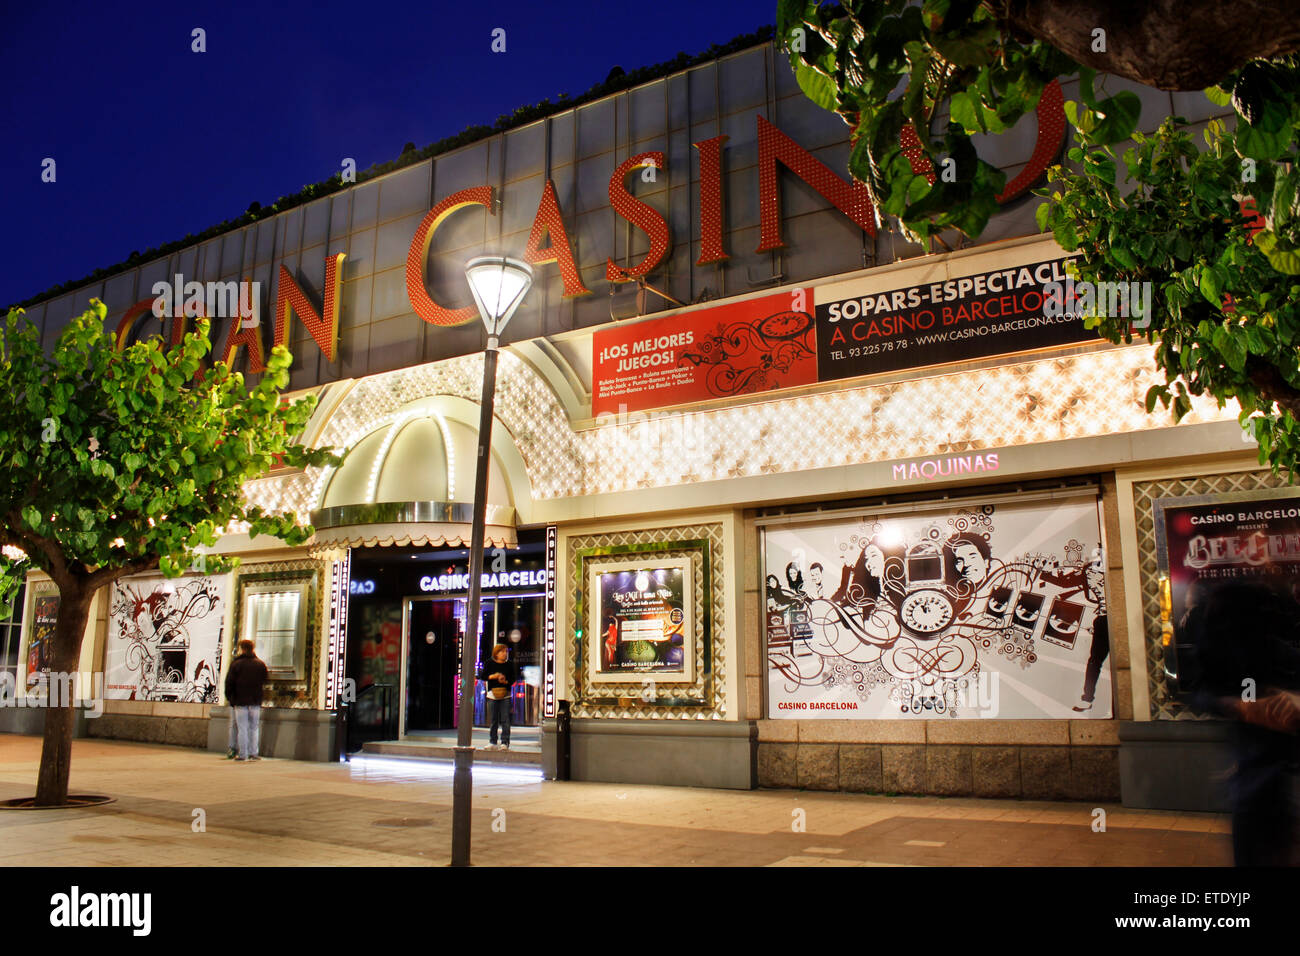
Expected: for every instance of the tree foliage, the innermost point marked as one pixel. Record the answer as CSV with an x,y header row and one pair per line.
x,y
126,461
116,462
1215,230
1226,281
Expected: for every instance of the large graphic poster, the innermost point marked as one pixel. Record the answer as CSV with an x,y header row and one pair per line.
x,y
735,349
993,611
1246,536
164,639
643,622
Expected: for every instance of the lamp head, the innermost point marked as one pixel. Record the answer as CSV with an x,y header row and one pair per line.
x,y
498,284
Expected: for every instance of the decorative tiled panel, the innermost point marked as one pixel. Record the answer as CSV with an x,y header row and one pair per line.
x,y
710,610
1050,399
1164,706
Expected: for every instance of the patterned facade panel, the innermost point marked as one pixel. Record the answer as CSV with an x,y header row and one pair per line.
x,y
706,696
1050,399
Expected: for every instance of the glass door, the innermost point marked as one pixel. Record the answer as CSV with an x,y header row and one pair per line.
x,y
519,625
433,631
487,617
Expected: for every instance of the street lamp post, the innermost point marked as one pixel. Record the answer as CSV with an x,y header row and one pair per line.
x,y
498,284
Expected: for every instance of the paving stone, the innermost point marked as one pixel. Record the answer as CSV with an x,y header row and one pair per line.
x,y
289,813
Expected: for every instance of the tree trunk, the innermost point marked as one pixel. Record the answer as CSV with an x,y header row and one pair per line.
x,y
56,751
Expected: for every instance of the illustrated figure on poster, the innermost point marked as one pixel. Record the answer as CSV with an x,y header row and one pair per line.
x,y
1095,585
816,585
794,581
203,688
914,616
611,642
778,599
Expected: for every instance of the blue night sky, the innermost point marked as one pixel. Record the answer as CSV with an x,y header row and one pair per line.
x,y
153,141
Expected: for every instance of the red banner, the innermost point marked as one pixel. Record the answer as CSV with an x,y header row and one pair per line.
x,y
736,349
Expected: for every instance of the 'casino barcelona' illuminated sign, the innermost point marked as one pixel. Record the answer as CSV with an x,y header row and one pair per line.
x,y
489,582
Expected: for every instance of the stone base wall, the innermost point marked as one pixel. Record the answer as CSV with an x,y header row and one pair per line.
x,y
1028,772
1029,759
287,733
180,731
683,753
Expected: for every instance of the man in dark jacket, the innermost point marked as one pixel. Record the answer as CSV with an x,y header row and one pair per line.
x,y
499,673
244,683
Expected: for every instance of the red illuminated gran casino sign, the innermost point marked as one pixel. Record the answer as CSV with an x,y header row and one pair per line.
x,y
775,149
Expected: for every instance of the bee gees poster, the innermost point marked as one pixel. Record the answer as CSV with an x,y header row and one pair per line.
x,y
992,611
164,639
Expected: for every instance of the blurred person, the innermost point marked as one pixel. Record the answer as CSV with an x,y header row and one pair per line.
x,y
1248,641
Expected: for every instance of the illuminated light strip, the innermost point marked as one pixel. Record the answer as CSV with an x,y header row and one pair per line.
x,y
451,456
548,659
438,768
341,572
331,685
382,456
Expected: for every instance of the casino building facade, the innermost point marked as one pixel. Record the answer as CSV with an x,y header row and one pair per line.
x,y
777,499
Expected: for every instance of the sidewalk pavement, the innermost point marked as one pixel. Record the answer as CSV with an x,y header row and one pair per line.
x,y
397,812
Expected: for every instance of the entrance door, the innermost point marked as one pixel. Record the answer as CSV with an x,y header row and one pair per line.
x,y
519,623
432,657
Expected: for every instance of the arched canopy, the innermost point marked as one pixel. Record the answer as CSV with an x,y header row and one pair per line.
x,y
410,480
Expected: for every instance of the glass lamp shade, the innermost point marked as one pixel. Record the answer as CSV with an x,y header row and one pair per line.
x,y
498,285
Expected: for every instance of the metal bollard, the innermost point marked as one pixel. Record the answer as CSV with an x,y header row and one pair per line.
x,y
562,738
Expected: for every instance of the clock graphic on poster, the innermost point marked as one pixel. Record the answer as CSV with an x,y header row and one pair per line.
x,y
926,611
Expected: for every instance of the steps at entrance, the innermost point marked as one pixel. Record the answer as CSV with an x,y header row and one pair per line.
x,y
438,750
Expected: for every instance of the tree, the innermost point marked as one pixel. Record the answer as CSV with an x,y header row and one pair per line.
x,y
1216,231
117,462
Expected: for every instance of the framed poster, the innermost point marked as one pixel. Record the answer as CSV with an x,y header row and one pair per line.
x,y
275,620
641,622
44,614
1204,540
988,610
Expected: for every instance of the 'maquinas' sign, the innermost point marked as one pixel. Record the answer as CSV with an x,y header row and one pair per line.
x,y
775,149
